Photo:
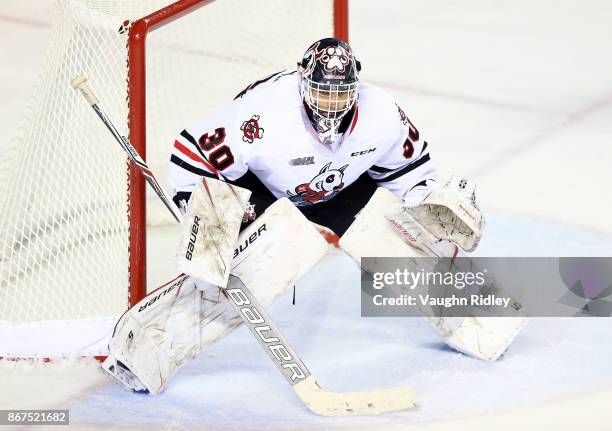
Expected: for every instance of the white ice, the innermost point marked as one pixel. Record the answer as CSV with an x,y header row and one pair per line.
x,y
516,94
233,384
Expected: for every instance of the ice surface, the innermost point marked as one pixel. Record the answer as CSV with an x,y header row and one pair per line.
x,y
516,94
233,384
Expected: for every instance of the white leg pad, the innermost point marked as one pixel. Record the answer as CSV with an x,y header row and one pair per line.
x,y
372,235
177,321
484,338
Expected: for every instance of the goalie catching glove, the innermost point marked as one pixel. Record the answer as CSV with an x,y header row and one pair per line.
x,y
450,213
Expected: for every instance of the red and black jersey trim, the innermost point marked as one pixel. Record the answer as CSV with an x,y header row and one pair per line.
x,y
276,75
184,165
193,142
383,170
355,117
403,171
280,74
213,173
422,183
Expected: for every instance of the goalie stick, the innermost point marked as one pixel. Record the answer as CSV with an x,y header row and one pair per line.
x,y
80,83
318,400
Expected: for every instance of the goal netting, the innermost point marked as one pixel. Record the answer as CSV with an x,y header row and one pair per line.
x,y
70,234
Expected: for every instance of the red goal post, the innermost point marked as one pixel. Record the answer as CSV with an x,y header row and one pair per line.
x,y
74,217
137,119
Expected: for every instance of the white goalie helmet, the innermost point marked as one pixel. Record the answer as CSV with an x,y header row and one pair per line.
x,y
329,85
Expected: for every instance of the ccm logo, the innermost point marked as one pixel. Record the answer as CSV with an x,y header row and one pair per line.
x,y
361,153
195,227
266,334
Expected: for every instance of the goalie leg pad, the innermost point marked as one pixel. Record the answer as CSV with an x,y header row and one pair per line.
x,y
485,338
159,332
177,321
372,234
375,233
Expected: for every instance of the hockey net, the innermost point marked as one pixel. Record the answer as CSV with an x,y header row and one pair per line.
x,y
72,239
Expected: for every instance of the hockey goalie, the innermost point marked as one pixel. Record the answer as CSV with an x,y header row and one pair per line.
x,y
306,149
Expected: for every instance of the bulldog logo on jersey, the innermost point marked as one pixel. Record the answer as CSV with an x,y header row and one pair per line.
x,y
251,129
321,188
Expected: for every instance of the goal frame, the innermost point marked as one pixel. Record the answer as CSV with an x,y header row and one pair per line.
x,y
137,124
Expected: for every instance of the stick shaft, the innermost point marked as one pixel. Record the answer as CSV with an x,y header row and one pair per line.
x,y
80,83
139,162
265,332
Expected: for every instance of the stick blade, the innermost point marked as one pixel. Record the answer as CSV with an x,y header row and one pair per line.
x,y
375,402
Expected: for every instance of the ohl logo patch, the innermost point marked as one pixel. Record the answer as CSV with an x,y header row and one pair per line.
x,y
251,129
324,186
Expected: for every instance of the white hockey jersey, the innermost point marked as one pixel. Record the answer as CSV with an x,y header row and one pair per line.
x,y
266,130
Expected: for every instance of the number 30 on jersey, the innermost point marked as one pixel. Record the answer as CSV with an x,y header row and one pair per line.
x,y
220,156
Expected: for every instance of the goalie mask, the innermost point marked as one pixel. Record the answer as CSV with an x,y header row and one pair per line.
x,y
329,76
